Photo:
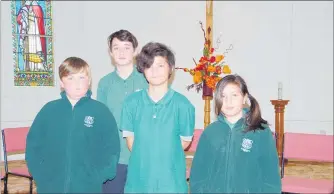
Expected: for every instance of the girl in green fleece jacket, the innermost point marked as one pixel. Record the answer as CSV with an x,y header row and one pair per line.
x,y
73,144
237,153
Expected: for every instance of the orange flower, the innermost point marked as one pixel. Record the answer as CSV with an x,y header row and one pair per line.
x,y
211,68
226,69
197,78
219,58
211,85
210,82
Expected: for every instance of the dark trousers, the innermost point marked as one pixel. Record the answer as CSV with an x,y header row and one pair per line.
x,y
117,184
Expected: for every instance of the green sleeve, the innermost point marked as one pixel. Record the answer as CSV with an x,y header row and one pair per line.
x,y
269,165
126,117
34,154
202,165
101,93
105,162
187,120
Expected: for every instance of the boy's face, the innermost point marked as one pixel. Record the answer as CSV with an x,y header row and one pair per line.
x,y
122,52
158,73
75,85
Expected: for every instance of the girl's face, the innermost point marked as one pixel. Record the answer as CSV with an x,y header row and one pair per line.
x,y
233,102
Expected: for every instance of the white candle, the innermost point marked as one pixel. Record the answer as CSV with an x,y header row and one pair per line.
x,y
280,91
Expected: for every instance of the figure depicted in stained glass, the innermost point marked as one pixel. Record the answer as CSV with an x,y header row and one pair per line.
x,y
30,19
32,43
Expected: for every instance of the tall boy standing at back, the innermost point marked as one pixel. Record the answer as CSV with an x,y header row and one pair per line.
x,y
112,90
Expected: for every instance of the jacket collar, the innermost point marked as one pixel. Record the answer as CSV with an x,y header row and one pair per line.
x,y
82,100
240,122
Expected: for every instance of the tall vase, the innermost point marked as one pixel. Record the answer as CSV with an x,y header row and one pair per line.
x,y
207,91
207,97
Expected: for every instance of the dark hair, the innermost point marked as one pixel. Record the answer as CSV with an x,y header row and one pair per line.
x,y
254,120
123,35
151,50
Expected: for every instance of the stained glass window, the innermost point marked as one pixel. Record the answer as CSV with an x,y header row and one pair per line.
x,y
32,43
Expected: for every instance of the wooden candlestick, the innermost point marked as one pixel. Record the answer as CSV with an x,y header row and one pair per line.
x,y
279,106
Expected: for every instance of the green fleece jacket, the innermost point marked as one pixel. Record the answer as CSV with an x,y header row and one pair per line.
x,y
232,161
72,150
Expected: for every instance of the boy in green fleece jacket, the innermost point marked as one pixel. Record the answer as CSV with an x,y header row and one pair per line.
x,y
73,144
237,153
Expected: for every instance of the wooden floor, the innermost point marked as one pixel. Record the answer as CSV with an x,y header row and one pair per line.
x,y
300,169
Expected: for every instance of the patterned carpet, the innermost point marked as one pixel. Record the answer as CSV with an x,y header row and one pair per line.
x,y
300,169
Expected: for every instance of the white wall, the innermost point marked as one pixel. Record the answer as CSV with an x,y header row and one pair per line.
x,y
288,42
291,42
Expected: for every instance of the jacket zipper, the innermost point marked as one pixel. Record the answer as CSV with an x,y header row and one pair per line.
x,y
68,168
228,157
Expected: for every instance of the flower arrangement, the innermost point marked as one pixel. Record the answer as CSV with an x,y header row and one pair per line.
x,y
209,69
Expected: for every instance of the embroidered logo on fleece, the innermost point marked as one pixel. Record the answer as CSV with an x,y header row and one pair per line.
x,y
89,121
246,144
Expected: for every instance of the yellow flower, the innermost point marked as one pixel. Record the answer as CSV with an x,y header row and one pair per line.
x,y
226,69
219,58
211,68
197,78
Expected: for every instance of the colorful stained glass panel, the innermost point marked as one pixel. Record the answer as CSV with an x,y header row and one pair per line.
x,y
32,43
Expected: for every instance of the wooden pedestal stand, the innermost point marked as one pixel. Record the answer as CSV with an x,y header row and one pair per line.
x,y
279,106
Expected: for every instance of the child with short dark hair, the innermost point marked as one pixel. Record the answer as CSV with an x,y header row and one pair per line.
x,y
158,124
